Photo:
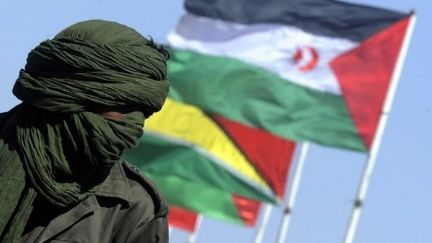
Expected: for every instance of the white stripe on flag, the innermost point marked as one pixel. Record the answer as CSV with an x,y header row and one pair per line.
x,y
270,46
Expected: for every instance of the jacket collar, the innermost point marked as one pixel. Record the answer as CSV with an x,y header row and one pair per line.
x,y
116,185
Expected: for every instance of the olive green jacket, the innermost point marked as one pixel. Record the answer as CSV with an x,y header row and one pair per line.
x,y
125,209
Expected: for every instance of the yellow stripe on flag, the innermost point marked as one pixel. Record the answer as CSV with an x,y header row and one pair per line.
x,y
188,123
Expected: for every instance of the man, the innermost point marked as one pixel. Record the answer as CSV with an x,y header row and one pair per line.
x,y
85,95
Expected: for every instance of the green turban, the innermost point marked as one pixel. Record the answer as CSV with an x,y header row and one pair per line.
x,y
53,144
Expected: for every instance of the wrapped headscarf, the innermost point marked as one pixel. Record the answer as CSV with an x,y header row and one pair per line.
x,y
54,144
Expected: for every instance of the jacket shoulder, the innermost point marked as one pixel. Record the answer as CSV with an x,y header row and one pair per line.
x,y
8,121
137,177
3,116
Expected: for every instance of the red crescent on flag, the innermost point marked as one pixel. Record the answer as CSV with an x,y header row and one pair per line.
x,y
312,63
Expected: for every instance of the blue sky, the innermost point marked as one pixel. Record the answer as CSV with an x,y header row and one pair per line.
x,y
398,203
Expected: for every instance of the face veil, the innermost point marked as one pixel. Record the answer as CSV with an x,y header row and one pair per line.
x,y
53,144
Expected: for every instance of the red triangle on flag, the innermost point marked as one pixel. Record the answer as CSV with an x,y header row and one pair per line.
x,y
364,74
269,154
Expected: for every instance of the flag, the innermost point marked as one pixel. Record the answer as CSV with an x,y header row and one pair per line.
x,y
212,165
187,220
306,70
182,218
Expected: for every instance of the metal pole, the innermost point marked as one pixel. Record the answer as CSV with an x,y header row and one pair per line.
x,y
370,163
293,193
260,232
192,237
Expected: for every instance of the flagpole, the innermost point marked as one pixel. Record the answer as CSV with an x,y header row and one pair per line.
x,y
371,160
261,229
192,236
292,193
170,229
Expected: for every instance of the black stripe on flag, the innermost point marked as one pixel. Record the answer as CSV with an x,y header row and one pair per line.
x,y
321,17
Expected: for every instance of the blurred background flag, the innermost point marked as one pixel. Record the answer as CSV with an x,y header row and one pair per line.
x,y
209,164
187,220
182,218
314,70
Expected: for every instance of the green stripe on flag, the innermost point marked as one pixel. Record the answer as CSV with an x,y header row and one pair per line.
x,y
259,98
198,197
164,158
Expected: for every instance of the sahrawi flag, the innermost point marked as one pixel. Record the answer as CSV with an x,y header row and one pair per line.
x,y
306,70
248,75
